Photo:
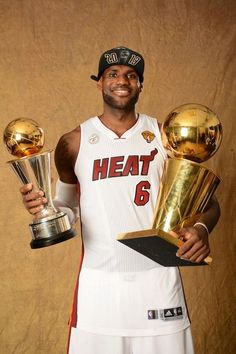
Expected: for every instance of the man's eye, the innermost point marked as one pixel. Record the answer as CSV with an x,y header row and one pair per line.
x,y
132,76
112,75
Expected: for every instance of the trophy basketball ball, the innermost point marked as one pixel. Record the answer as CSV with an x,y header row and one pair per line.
x,y
192,133
25,139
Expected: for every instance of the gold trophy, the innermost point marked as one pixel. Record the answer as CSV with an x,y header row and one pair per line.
x,y
192,133
25,139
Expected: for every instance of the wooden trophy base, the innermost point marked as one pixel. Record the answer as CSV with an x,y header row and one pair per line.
x,y
159,246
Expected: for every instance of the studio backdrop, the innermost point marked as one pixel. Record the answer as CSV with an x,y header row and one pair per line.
x,y
48,50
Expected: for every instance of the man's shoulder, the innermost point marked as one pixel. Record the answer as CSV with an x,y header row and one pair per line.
x,y
74,135
70,141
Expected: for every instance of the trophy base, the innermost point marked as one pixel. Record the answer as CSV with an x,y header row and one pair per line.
x,y
159,246
49,241
51,230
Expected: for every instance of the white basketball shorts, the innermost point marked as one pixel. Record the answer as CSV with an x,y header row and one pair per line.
x,y
82,342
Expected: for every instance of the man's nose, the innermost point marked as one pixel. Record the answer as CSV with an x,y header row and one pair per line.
x,y
122,79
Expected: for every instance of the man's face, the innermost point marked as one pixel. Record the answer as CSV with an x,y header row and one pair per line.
x,y
120,87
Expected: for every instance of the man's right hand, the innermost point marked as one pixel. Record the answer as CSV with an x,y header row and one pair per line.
x,y
33,201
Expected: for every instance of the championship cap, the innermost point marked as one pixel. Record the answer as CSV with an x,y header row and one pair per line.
x,y
120,56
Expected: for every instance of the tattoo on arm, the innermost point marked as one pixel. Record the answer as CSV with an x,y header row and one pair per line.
x,y
64,161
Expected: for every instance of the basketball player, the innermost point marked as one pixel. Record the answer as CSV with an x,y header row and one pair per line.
x,y
126,303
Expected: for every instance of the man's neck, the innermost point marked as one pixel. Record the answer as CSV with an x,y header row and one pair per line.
x,y
118,121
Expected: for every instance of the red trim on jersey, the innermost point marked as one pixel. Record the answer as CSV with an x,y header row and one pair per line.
x,y
73,316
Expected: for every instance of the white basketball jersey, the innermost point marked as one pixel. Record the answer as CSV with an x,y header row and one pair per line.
x,y
122,292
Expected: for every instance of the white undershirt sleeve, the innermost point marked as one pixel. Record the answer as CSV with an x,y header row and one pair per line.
x,y
67,199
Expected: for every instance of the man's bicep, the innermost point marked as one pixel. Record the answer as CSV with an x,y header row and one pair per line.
x,y
64,161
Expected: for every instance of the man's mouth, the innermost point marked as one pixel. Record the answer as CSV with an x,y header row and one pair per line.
x,y
121,92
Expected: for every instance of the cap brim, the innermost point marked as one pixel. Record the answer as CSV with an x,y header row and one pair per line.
x,y
93,77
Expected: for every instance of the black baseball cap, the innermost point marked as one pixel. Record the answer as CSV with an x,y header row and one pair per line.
x,y
120,56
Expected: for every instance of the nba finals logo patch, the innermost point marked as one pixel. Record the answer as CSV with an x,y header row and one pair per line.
x,y
148,136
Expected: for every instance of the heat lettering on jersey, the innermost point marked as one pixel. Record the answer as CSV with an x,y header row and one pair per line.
x,y
117,166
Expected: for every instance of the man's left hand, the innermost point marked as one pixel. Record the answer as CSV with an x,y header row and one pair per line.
x,y
196,244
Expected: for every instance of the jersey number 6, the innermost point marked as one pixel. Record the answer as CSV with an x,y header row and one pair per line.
x,y
142,193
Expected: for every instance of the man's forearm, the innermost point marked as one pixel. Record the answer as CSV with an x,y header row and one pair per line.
x,y
211,214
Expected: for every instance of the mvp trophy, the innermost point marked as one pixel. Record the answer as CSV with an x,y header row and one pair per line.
x,y
25,139
192,133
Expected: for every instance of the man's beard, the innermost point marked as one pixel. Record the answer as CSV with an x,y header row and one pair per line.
x,y
127,106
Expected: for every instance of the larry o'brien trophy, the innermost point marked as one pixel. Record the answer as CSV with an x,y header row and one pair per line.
x,y
25,139
192,133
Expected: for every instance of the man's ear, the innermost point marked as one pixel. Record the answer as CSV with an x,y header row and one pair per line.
x,y
99,84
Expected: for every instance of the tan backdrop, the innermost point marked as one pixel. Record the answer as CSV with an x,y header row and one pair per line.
x,y
48,49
